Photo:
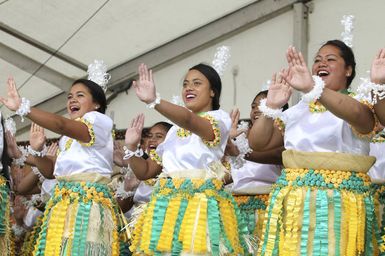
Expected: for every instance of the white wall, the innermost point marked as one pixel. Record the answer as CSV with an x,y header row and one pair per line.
x,y
368,34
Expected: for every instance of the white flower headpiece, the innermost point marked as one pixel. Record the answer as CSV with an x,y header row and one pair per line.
x,y
97,72
221,59
347,34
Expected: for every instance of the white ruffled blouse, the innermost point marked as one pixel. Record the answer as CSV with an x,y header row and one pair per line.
x,y
183,150
95,156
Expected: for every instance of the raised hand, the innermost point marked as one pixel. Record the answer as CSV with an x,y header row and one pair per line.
x,y
12,148
298,75
377,72
13,99
134,131
118,154
234,114
279,91
37,137
52,149
145,86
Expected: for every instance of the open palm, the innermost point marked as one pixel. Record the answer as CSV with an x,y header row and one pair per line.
x,y
377,72
298,75
134,131
37,137
279,91
13,99
145,86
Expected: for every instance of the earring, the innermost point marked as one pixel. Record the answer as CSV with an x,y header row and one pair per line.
x,y
96,107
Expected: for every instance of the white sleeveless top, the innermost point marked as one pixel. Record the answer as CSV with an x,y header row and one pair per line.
x,y
183,150
320,132
253,178
93,157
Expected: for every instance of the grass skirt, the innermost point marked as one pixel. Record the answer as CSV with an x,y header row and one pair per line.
x,y
253,209
378,192
5,229
320,212
190,216
81,218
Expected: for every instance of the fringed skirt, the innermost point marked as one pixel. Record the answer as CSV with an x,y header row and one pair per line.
x,y
378,192
31,238
321,211
81,218
190,217
5,229
252,209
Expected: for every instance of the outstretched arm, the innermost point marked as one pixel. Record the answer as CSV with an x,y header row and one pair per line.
x,y
357,114
377,76
58,124
146,92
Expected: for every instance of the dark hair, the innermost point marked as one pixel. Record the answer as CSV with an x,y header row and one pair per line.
x,y
5,159
264,94
348,56
165,125
214,80
97,93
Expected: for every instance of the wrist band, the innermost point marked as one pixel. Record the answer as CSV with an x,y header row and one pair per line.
x,y
24,108
155,102
128,153
41,153
21,160
316,92
269,112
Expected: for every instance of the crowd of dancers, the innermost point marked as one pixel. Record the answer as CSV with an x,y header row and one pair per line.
x,y
304,180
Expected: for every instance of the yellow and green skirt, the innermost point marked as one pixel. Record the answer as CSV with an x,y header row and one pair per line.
x,y
315,209
31,238
378,192
5,229
253,209
190,216
81,218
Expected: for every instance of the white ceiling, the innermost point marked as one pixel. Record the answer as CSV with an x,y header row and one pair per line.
x,y
115,31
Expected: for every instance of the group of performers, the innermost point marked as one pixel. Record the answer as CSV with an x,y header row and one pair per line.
x,y
304,180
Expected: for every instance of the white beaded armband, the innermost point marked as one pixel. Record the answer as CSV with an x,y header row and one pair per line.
x,y
316,92
243,146
371,91
155,102
41,153
38,174
121,191
269,112
21,160
24,108
128,153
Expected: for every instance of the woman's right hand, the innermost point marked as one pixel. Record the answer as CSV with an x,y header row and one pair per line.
x,y
37,137
145,86
134,132
279,91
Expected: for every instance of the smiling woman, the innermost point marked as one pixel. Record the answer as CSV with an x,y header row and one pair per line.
x,y
82,216
189,211
321,203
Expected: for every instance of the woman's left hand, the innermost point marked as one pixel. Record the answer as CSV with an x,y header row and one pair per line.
x,y
298,75
13,100
377,72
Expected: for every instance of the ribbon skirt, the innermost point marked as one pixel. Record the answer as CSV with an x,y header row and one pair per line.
x,y
81,218
190,216
320,212
5,229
